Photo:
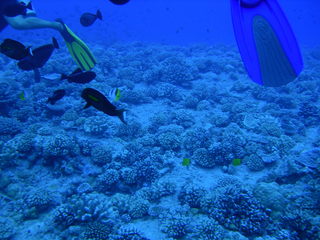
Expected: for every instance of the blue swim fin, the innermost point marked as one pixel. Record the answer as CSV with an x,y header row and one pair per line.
x,y
266,42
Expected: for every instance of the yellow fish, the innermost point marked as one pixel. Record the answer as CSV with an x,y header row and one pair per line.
x,y
22,96
236,162
114,94
186,162
118,95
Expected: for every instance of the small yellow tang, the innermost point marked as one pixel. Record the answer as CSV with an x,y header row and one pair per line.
x,y
186,162
236,162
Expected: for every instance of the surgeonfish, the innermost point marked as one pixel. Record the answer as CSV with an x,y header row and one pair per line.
x,y
236,162
79,76
57,95
39,56
14,49
100,102
87,19
119,2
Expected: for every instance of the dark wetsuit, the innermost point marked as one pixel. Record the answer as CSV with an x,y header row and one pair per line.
x,y
3,4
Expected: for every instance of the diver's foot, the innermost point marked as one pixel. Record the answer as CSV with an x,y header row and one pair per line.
x,y
59,26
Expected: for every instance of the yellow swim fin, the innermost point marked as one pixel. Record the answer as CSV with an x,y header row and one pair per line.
x,y
79,51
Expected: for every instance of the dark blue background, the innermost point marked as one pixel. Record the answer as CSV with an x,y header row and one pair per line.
x,y
165,21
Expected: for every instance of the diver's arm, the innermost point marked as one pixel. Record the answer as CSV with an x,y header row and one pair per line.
x,y
24,23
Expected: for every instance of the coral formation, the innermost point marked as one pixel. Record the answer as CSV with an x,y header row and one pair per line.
x,y
237,209
68,173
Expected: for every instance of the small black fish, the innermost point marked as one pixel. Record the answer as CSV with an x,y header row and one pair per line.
x,y
100,102
39,56
78,76
119,2
87,19
15,9
57,95
14,49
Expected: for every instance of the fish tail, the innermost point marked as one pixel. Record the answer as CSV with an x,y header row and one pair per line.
x,y
55,43
121,115
99,15
63,76
30,53
50,101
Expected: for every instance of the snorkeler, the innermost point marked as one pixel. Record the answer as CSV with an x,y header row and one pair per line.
x,y
20,15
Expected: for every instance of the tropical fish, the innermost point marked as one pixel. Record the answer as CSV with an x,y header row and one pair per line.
x,y
52,76
57,95
15,9
87,19
39,56
119,2
114,94
14,49
78,76
22,96
100,102
236,162
186,162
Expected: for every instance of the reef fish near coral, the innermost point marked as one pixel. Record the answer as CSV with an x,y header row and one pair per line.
x,y
119,2
236,162
39,56
79,76
57,95
100,102
14,49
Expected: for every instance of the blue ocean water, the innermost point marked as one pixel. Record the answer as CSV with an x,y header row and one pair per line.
x,y
206,153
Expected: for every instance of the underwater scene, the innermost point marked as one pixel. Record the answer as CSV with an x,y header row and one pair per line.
x,y
159,120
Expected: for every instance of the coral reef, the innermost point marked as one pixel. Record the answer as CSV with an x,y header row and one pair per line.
x,y
7,227
208,229
175,226
68,173
237,209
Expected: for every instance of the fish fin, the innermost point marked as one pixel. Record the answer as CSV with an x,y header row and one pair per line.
x,y
55,43
37,75
29,51
118,94
29,6
111,94
78,70
87,105
114,94
122,115
63,76
99,15
22,96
